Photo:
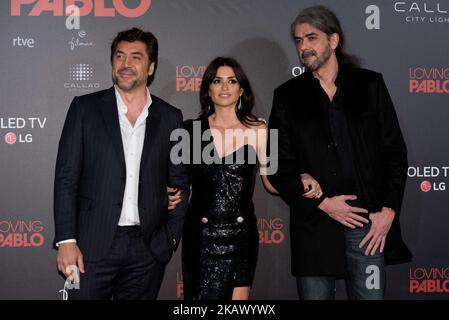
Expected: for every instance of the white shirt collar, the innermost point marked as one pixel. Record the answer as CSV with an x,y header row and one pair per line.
x,y
122,106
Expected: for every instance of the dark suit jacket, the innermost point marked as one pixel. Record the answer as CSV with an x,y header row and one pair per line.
x,y
305,145
91,174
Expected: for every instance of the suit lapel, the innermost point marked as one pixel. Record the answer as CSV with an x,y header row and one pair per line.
x,y
110,116
152,127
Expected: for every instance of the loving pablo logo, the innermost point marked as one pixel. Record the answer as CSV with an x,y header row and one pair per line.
x,y
98,8
188,78
21,233
429,80
271,230
429,280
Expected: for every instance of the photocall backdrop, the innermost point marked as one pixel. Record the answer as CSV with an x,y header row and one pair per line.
x,y
48,57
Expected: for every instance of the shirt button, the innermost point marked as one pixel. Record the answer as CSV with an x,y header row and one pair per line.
x,y
331,145
204,220
240,219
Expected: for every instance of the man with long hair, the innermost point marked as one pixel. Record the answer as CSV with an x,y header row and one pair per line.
x,y
337,122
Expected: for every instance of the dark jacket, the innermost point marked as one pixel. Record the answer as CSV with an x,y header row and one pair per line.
x,y
91,174
305,145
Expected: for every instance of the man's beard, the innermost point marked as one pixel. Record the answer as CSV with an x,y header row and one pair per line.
x,y
125,86
319,61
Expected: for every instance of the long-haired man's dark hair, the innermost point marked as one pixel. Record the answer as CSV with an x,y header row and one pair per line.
x,y
247,99
136,34
325,20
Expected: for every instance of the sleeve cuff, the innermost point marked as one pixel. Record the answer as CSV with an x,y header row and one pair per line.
x,y
65,241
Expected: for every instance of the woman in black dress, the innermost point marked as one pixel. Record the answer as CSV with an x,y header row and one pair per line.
x,y
220,239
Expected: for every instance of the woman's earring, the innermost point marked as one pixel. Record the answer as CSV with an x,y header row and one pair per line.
x,y
239,106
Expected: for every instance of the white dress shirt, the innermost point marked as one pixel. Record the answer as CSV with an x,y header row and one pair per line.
x,y
132,139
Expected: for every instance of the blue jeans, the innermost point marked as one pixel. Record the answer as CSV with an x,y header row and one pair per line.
x,y
365,275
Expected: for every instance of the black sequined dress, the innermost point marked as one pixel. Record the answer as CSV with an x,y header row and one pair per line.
x,y
220,239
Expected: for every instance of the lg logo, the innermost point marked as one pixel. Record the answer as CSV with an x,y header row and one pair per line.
x,y
372,22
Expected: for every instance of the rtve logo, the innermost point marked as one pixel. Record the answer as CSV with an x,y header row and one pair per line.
x,y
23,42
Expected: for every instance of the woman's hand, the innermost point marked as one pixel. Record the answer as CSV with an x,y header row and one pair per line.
x,y
312,188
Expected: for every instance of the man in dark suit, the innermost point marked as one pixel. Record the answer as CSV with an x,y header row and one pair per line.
x,y
112,171
337,122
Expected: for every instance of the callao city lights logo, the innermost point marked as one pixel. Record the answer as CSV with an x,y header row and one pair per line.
x,y
413,11
81,78
21,233
271,231
19,130
428,80
430,178
429,280
188,78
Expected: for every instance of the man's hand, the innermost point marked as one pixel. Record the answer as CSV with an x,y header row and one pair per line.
x,y
380,225
337,208
69,255
174,197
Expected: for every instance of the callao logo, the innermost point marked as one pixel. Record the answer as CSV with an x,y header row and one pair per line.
x,y
422,11
98,8
82,78
435,173
270,231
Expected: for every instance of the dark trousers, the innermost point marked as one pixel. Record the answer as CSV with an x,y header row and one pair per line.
x,y
127,272
365,275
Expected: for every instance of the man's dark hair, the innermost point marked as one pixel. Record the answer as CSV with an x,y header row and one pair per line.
x,y
136,34
325,20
